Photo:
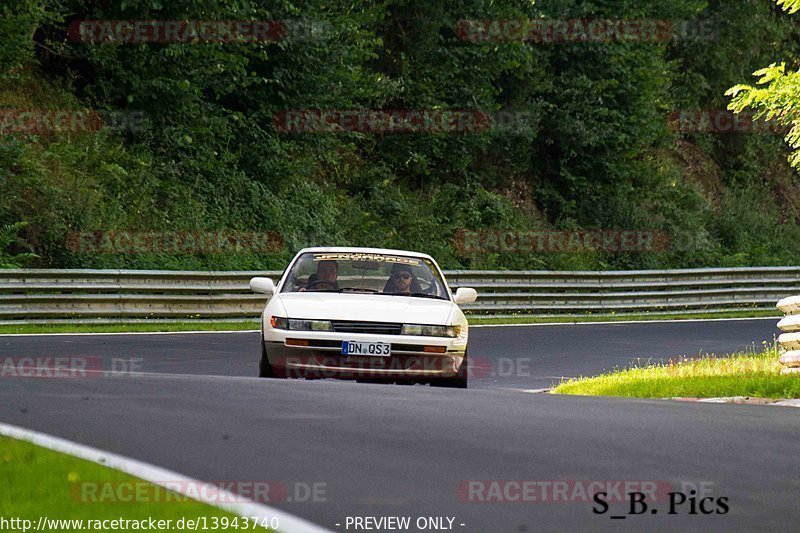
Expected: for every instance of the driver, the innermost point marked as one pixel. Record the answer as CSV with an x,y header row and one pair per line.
x,y
325,278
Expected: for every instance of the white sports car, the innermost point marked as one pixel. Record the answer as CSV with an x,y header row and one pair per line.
x,y
367,314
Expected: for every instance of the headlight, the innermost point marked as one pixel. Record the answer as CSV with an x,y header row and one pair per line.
x,y
431,331
310,325
300,324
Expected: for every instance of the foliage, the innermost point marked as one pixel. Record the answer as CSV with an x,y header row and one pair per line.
x,y
8,237
779,101
21,22
792,6
594,150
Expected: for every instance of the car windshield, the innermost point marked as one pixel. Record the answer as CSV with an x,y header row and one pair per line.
x,y
386,274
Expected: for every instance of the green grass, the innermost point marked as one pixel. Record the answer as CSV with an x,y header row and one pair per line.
x,y
522,319
744,374
240,326
38,482
129,327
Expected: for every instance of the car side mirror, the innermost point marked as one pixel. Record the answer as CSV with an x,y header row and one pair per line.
x,y
465,295
262,285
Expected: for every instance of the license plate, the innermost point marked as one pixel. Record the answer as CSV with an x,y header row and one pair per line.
x,y
378,349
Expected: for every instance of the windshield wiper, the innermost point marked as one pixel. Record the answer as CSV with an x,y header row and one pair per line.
x,y
357,289
343,289
415,295
322,290
426,295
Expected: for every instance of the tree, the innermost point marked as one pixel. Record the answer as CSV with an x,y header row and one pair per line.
x,y
779,100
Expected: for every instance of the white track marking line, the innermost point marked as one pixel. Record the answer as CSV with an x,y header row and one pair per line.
x,y
207,493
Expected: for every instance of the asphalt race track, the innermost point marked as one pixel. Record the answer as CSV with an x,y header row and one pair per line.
x,y
415,451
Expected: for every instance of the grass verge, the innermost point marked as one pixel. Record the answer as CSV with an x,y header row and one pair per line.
x,y
131,327
241,326
744,374
37,482
765,313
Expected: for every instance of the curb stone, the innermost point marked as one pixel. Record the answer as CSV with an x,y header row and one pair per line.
x,y
742,400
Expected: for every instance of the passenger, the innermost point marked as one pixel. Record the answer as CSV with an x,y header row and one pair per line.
x,y
402,281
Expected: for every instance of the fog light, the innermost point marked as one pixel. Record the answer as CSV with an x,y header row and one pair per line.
x,y
434,349
296,342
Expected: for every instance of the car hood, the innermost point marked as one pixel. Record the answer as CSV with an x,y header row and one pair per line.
x,y
366,307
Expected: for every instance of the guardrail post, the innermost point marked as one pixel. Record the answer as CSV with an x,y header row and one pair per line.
x,y
790,340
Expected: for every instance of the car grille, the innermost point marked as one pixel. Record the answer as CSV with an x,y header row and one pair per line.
x,y
375,328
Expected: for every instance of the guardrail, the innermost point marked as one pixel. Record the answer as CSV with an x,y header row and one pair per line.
x,y
790,340
113,295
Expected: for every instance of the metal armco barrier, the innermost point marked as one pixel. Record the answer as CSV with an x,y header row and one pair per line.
x,y
790,341
112,295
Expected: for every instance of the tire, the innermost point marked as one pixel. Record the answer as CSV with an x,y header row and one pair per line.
x,y
459,381
264,368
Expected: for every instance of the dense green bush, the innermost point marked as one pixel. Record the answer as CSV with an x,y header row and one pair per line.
x,y
596,151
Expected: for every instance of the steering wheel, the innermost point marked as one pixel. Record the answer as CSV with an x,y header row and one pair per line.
x,y
316,282
427,286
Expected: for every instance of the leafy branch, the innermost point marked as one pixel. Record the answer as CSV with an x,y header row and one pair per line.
x,y
779,100
8,237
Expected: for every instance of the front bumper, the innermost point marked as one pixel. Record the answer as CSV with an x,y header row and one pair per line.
x,y
323,358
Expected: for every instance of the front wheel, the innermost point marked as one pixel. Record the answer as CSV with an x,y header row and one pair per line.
x,y
459,381
264,368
